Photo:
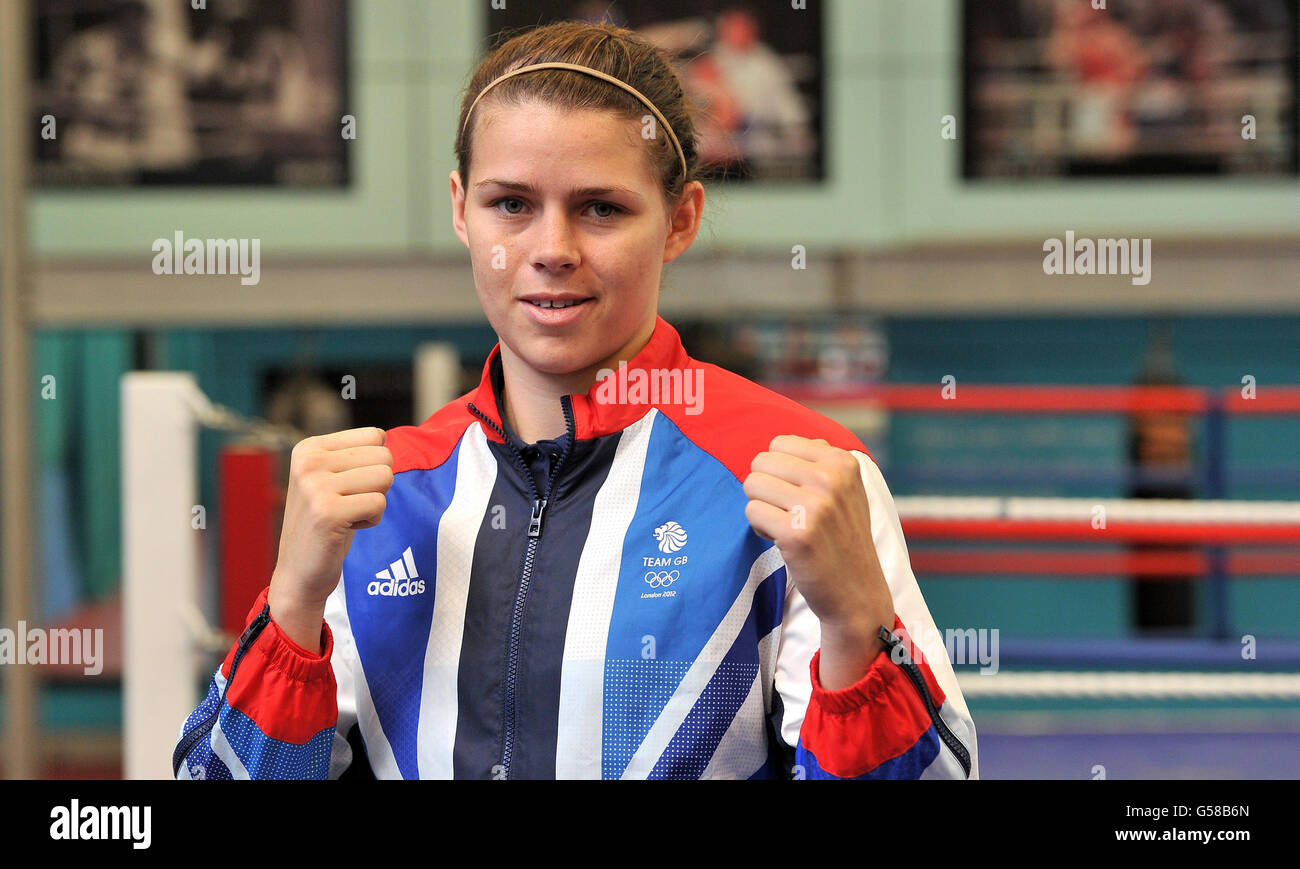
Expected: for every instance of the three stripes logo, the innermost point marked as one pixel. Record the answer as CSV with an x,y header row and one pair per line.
x,y
399,579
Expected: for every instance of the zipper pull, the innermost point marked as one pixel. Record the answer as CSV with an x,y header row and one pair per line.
x,y
535,523
893,645
255,627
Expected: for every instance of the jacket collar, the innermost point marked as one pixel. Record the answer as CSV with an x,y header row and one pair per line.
x,y
594,414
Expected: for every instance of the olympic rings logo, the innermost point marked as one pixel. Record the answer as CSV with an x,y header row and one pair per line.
x,y
662,578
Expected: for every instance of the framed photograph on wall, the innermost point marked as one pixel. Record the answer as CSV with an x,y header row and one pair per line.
x,y
1058,88
158,92
756,70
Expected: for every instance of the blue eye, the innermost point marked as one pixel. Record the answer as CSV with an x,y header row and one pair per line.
x,y
508,199
614,210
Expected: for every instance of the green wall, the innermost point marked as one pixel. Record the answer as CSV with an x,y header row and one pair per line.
x,y
892,74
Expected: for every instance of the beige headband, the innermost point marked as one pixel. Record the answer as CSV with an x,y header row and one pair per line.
x,y
589,71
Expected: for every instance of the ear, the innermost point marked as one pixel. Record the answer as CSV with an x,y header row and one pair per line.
x,y
458,207
684,222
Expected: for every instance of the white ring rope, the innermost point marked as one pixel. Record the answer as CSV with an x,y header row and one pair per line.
x,y
1084,509
1140,685
222,418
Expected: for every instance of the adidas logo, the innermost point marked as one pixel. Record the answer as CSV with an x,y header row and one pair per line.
x,y
401,579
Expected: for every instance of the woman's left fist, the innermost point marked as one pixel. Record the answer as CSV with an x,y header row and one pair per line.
x,y
807,497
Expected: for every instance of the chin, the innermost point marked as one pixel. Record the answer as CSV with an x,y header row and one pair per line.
x,y
557,356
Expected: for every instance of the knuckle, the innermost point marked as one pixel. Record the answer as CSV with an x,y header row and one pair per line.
x,y
795,542
815,507
310,491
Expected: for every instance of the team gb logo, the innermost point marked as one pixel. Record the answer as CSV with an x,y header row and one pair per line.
x,y
671,537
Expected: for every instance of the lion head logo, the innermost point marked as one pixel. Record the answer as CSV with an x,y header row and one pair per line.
x,y
671,537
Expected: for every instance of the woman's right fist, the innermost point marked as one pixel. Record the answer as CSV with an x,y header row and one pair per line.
x,y
337,484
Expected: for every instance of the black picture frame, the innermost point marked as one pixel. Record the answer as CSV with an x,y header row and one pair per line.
x,y
156,93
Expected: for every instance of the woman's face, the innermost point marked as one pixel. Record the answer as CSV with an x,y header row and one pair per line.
x,y
567,232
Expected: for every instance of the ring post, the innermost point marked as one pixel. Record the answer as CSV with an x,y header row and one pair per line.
x,y
161,563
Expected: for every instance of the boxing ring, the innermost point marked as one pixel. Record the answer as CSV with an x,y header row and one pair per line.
x,y
1214,702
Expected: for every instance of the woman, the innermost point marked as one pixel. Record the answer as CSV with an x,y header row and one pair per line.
x,y
608,560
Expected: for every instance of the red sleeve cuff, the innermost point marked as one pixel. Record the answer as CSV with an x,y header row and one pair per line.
x,y
880,717
879,679
288,692
283,654
292,659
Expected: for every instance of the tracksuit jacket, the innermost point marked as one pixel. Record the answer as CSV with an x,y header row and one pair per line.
x,y
596,606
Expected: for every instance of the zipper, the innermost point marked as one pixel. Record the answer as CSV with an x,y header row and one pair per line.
x,y
913,672
246,639
540,500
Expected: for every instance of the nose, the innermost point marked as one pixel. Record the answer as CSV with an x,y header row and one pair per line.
x,y
556,246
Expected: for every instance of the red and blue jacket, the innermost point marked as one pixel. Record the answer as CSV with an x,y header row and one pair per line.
x,y
597,606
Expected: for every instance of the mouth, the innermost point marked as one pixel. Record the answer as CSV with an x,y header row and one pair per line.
x,y
559,310
554,299
555,303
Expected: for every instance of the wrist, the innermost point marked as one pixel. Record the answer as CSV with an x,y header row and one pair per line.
x,y
856,632
848,648
844,659
854,617
300,620
286,592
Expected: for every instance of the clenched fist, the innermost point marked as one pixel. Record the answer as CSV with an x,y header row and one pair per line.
x,y
807,496
337,484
